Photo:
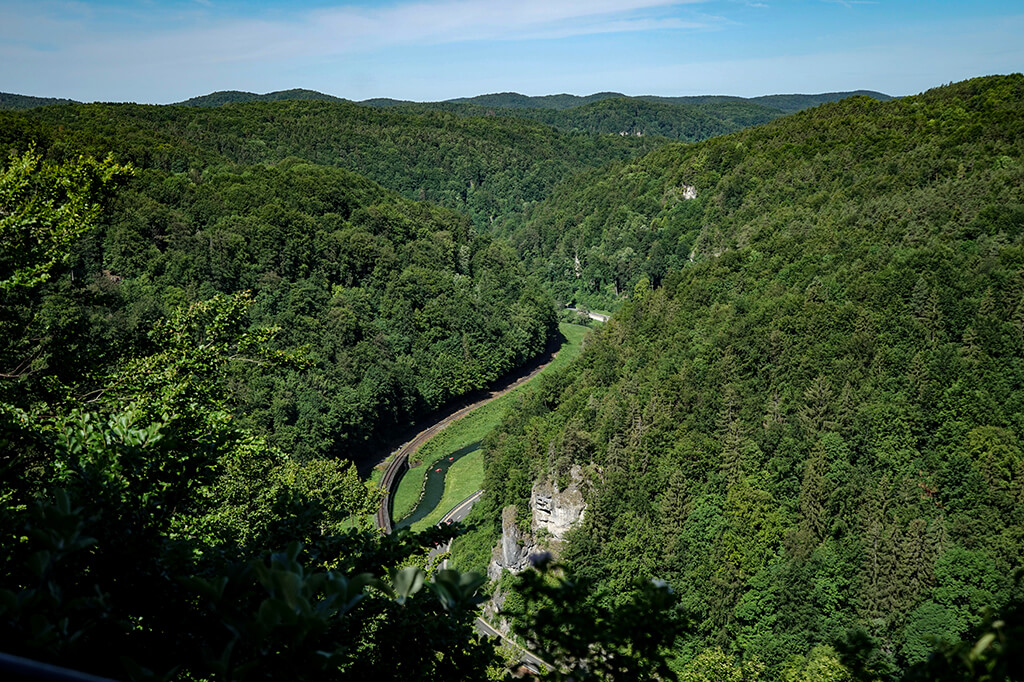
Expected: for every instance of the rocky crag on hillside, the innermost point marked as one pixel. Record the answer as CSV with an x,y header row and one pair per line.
x,y
553,512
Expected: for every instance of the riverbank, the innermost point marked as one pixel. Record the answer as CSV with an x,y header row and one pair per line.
x,y
467,473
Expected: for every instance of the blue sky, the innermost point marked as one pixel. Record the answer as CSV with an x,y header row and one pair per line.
x,y
161,51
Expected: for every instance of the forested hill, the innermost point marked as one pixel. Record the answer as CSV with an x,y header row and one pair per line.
x,y
595,237
686,119
625,116
221,97
10,101
813,423
785,103
514,100
793,103
486,168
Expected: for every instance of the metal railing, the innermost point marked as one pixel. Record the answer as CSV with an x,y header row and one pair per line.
x,y
18,669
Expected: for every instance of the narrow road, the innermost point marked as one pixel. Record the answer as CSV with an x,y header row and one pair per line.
x,y
460,510
457,513
594,316
529,660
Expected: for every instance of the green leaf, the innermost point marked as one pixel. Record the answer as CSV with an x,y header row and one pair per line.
x,y
407,582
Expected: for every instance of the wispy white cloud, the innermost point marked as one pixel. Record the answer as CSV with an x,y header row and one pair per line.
x,y
624,26
195,38
456,20
76,42
345,27
432,22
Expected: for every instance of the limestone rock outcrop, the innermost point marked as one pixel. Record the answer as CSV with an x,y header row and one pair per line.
x,y
552,513
514,549
554,510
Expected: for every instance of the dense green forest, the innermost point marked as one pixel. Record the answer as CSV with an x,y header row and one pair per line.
x,y
402,305
514,100
811,425
216,99
189,361
624,116
785,103
606,113
484,167
686,119
799,437
10,100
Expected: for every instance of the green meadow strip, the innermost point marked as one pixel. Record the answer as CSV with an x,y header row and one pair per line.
x,y
467,475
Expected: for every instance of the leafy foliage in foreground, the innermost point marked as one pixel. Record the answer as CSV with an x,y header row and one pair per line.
x,y
561,621
816,425
138,529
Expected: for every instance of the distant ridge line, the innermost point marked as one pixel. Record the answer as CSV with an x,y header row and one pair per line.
x,y
786,103
222,97
12,102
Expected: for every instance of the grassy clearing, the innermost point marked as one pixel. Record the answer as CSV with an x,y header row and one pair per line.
x,y
573,334
472,428
403,500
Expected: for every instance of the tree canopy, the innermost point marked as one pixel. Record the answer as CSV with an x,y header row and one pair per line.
x,y
799,438
811,424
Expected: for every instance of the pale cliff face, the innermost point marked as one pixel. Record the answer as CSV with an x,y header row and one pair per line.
x,y
552,511
556,510
514,550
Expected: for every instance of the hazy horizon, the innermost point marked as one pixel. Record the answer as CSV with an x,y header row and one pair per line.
x,y
432,50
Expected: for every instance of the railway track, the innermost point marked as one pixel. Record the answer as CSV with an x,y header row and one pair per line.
x,y
399,462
